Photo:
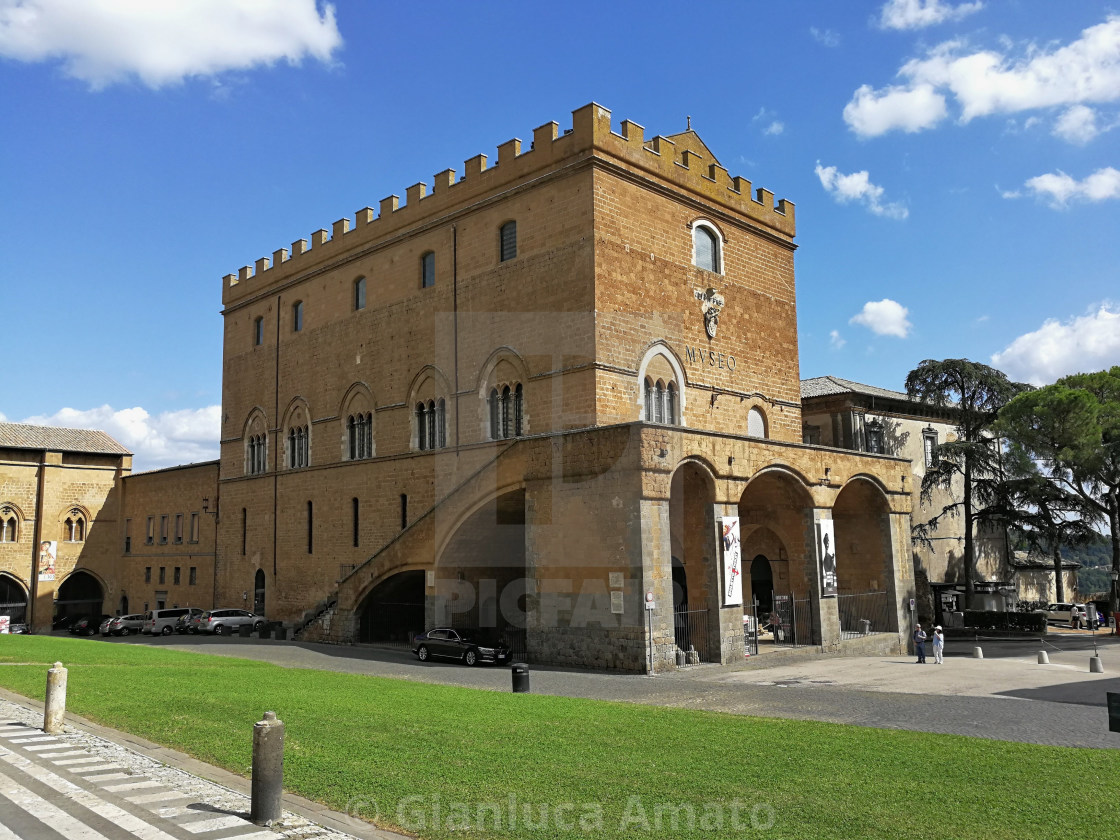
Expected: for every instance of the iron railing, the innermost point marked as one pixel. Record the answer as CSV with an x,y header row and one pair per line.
x,y
690,631
794,627
864,613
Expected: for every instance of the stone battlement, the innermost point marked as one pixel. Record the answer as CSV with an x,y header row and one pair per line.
x,y
591,135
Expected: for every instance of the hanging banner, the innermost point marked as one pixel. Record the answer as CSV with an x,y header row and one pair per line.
x,y
732,562
48,553
826,547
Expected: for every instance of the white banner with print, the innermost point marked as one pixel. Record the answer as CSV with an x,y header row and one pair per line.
x,y
732,562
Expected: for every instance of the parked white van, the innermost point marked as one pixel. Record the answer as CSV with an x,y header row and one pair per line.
x,y
162,622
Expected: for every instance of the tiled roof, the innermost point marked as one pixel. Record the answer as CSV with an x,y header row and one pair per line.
x,y
20,436
825,386
1035,560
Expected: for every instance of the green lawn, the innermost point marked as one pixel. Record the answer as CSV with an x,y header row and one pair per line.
x,y
441,761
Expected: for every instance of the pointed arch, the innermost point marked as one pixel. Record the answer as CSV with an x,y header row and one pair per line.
x,y
646,410
428,400
296,434
357,434
502,387
254,436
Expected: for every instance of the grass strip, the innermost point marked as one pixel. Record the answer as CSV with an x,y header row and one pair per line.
x,y
445,761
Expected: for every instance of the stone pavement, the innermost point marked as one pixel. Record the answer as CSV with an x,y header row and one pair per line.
x,y
105,785
1009,698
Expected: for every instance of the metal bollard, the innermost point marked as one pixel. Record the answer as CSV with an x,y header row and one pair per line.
x,y
1095,665
54,709
978,652
520,678
268,770
1043,658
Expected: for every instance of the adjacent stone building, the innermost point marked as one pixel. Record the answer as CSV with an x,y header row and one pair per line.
x,y
59,512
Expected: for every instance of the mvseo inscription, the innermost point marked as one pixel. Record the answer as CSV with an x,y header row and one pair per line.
x,y
703,356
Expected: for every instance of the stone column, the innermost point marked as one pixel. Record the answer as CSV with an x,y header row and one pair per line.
x,y
827,618
727,625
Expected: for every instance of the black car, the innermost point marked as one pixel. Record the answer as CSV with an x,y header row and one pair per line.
x,y
87,625
468,646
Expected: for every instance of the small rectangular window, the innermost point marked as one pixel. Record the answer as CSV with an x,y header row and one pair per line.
x,y
177,579
147,574
508,239
258,332
127,536
193,576
310,527
360,293
404,511
151,537
178,528
354,505
194,527
929,448
163,574
244,529
163,529
297,316
428,270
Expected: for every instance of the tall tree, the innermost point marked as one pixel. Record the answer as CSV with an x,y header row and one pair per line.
x,y
974,393
1073,428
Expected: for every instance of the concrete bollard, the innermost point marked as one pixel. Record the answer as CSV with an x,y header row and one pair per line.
x,y
54,709
1043,658
1095,665
978,652
268,770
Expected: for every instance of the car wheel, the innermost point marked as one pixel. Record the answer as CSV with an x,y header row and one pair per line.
x,y
166,630
471,657
258,626
124,631
422,653
219,630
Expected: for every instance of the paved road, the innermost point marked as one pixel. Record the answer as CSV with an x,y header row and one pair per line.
x,y
1006,696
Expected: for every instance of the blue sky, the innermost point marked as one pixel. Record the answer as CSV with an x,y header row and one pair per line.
x,y
955,168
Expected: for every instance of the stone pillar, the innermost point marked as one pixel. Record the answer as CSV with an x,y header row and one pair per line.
x,y
727,625
904,584
657,577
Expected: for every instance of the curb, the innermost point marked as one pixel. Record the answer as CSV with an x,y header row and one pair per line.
x,y
305,808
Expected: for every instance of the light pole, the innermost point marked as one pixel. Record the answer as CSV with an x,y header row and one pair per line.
x,y
1112,602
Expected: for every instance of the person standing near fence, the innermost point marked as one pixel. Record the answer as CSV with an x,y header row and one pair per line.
x,y
920,644
938,646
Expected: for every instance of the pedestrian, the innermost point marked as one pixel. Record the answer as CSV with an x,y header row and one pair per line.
x,y
938,646
920,644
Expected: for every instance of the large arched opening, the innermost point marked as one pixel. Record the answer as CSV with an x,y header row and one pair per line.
x,y
13,599
393,612
695,558
80,594
775,512
864,565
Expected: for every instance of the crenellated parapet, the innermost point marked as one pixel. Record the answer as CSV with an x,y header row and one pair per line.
x,y
660,158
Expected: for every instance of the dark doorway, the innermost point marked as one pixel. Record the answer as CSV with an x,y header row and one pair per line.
x,y
680,586
394,610
762,583
13,600
124,605
79,594
258,593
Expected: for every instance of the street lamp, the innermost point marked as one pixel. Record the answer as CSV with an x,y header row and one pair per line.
x,y
1113,604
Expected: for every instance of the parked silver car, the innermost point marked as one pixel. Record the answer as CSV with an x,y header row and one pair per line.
x,y
227,620
123,625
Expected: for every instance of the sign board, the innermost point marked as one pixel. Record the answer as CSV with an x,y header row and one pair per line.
x,y
826,549
5,623
616,603
48,554
614,579
732,562
1113,711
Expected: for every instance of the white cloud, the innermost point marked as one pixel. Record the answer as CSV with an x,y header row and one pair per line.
x,y
171,438
858,187
106,41
1060,189
1077,124
1080,345
987,82
884,317
772,125
825,37
775,127
835,340
918,14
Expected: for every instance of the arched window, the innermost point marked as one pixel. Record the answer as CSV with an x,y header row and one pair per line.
x,y
706,247
507,412
256,458
660,402
507,236
297,316
74,528
359,294
875,438
756,423
9,525
428,270
440,422
422,426
298,447
359,433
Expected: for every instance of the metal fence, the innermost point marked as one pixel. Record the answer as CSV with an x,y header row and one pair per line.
x,y
690,631
793,626
863,614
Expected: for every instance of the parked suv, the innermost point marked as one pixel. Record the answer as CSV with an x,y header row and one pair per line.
x,y
162,622
122,625
227,620
1086,617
